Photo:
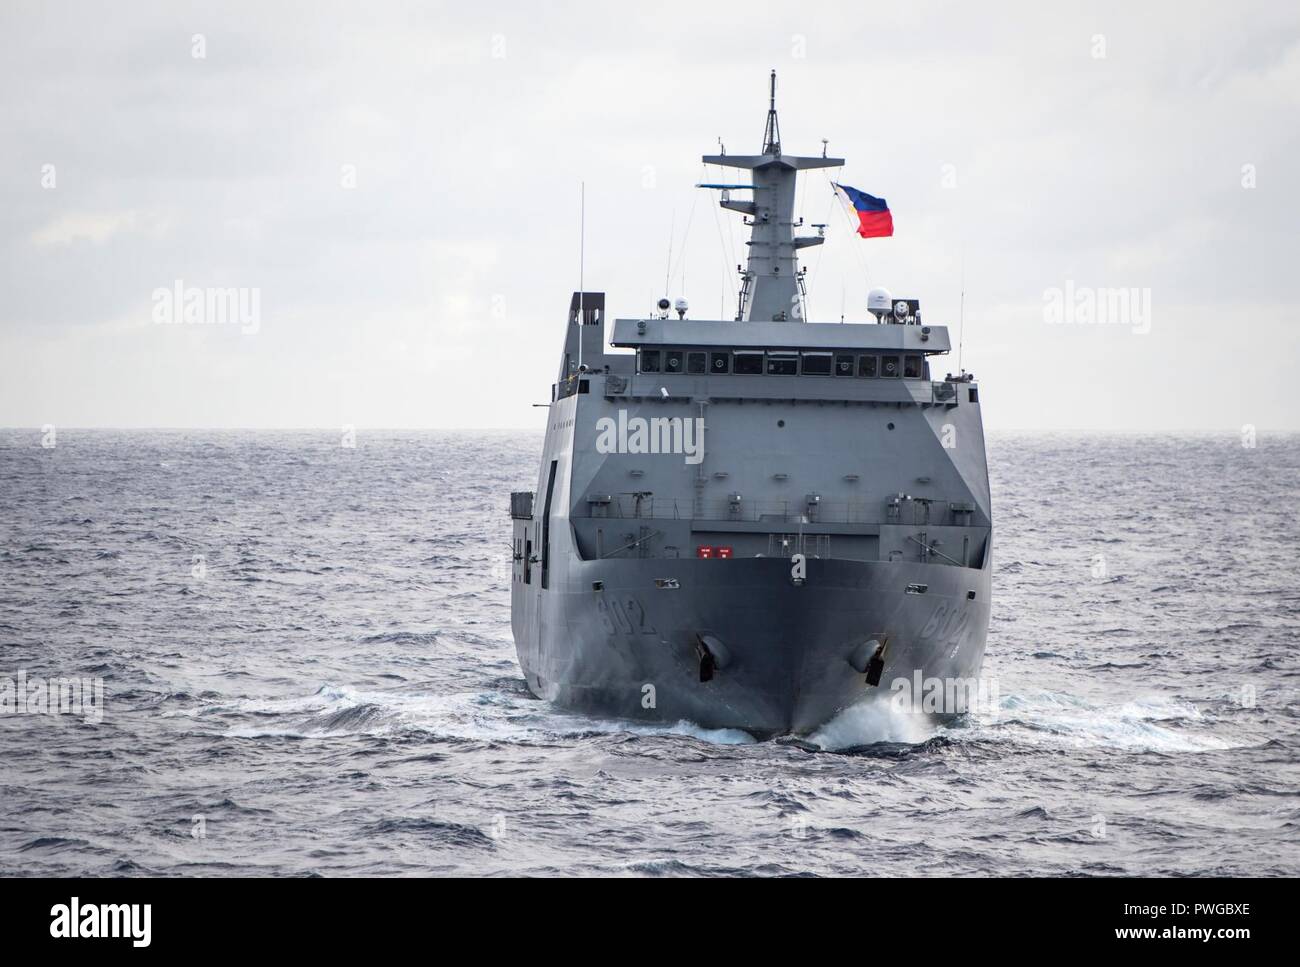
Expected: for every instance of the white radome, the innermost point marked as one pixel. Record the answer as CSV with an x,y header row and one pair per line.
x,y
879,300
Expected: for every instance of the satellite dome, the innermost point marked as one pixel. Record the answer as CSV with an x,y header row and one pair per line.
x,y
879,300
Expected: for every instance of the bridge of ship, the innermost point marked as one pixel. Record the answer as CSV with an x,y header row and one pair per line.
x,y
755,360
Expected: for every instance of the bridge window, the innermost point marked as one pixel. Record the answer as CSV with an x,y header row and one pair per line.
x,y
750,363
889,366
719,362
816,364
844,364
649,361
912,367
697,362
782,364
673,361
867,366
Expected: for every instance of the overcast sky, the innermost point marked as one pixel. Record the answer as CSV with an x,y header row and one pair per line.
x,y
1020,146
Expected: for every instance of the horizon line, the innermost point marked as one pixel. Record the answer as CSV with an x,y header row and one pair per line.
x,y
334,428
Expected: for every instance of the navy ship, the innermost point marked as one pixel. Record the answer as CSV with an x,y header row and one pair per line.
x,y
756,522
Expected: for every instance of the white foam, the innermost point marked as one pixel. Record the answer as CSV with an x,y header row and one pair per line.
x,y
480,716
1042,719
871,721
683,727
1058,719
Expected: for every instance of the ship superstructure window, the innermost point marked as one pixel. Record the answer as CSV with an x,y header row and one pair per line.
x,y
782,364
817,364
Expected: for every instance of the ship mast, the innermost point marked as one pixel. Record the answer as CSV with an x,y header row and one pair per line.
x,y
772,133
770,287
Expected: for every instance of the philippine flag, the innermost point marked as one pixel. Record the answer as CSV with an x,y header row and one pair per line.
x,y
874,219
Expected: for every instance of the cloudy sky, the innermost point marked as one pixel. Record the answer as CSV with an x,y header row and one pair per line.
x,y
400,183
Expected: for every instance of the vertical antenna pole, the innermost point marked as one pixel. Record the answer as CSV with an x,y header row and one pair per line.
x,y
582,264
961,315
668,272
772,134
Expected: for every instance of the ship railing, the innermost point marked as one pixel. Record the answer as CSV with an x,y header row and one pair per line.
x,y
810,509
689,386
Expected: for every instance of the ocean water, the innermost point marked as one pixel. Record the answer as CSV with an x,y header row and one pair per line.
x,y
307,668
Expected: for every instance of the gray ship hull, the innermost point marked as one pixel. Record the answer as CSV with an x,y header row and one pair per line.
x,y
786,652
